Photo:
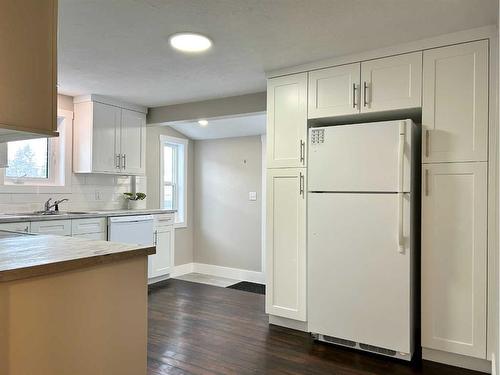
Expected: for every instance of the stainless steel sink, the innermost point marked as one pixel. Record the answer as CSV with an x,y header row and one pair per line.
x,y
48,213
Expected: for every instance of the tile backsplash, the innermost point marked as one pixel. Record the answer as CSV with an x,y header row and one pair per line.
x,y
88,192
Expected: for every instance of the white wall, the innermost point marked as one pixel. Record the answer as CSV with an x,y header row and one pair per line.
x,y
227,226
183,236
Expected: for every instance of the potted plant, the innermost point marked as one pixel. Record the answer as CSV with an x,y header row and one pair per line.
x,y
134,199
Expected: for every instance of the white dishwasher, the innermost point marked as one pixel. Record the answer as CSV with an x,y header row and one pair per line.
x,y
131,229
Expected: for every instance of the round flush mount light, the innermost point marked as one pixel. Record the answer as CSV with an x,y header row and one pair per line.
x,y
203,122
190,42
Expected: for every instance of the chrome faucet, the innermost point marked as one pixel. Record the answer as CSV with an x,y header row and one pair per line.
x,y
47,206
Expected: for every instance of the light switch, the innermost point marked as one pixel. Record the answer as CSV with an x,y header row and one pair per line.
x,y
252,196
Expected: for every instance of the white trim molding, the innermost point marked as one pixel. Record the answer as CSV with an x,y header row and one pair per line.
x,y
220,271
457,360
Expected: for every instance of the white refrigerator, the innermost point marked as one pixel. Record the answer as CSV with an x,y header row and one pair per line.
x,y
361,218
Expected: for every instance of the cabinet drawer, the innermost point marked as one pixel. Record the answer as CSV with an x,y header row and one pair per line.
x,y
163,220
16,227
92,236
87,226
57,227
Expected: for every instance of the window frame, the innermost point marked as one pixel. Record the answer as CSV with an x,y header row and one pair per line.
x,y
60,167
177,185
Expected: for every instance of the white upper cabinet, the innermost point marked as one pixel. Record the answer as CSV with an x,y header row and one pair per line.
x,y
108,138
286,243
387,84
334,91
454,255
133,136
455,103
392,83
287,121
105,137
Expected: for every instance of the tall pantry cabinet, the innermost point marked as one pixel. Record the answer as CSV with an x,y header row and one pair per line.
x,y
454,198
286,196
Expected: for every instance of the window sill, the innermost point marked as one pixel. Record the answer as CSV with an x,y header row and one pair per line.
x,y
180,225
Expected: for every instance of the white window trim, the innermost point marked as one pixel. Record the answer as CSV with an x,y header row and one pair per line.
x,y
168,139
61,183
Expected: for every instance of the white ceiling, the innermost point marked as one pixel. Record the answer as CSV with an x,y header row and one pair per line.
x,y
240,126
120,48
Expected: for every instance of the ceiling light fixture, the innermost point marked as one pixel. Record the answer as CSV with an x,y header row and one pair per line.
x,y
190,42
203,122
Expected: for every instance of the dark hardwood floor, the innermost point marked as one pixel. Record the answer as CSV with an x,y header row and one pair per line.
x,y
203,329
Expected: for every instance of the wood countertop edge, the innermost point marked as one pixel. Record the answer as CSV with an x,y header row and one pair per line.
x,y
72,264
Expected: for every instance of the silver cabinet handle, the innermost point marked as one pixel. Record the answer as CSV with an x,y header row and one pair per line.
x,y
26,229
118,158
124,157
302,151
155,238
354,104
426,182
365,94
301,184
427,143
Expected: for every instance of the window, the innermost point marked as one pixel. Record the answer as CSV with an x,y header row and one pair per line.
x,y
41,164
28,159
173,173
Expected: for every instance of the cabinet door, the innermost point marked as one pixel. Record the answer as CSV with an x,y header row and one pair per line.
x,y
56,227
133,138
454,248
334,91
105,138
92,236
392,83
287,121
160,264
16,227
455,103
28,66
286,243
87,226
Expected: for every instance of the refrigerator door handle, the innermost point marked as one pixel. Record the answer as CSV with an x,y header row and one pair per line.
x,y
401,159
401,239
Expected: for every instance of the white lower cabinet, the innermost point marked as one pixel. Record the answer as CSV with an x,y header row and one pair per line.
x,y
55,227
101,236
286,243
16,227
160,264
454,257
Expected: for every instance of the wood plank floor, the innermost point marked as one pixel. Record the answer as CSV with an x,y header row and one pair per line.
x,y
202,329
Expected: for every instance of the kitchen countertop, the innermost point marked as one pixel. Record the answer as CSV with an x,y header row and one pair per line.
x,y
27,255
11,218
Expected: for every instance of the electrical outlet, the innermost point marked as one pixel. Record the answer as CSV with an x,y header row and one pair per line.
x,y
252,196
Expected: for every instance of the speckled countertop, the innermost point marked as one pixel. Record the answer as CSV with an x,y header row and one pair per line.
x,y
27,255
12,218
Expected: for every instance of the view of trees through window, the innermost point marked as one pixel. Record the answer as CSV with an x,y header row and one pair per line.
x,y
28,159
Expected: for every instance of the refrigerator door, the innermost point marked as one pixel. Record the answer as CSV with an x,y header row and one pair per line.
x,y
372,157
359,283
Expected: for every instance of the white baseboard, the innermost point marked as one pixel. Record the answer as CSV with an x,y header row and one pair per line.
x,y
457,360
213,270
230,273
288,323
493,365
182,269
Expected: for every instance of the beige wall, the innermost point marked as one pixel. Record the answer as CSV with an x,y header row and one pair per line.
x,y
234,105
65,102
227,226
183,236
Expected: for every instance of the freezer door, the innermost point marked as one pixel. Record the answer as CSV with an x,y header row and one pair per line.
x,y
372,157
359,283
